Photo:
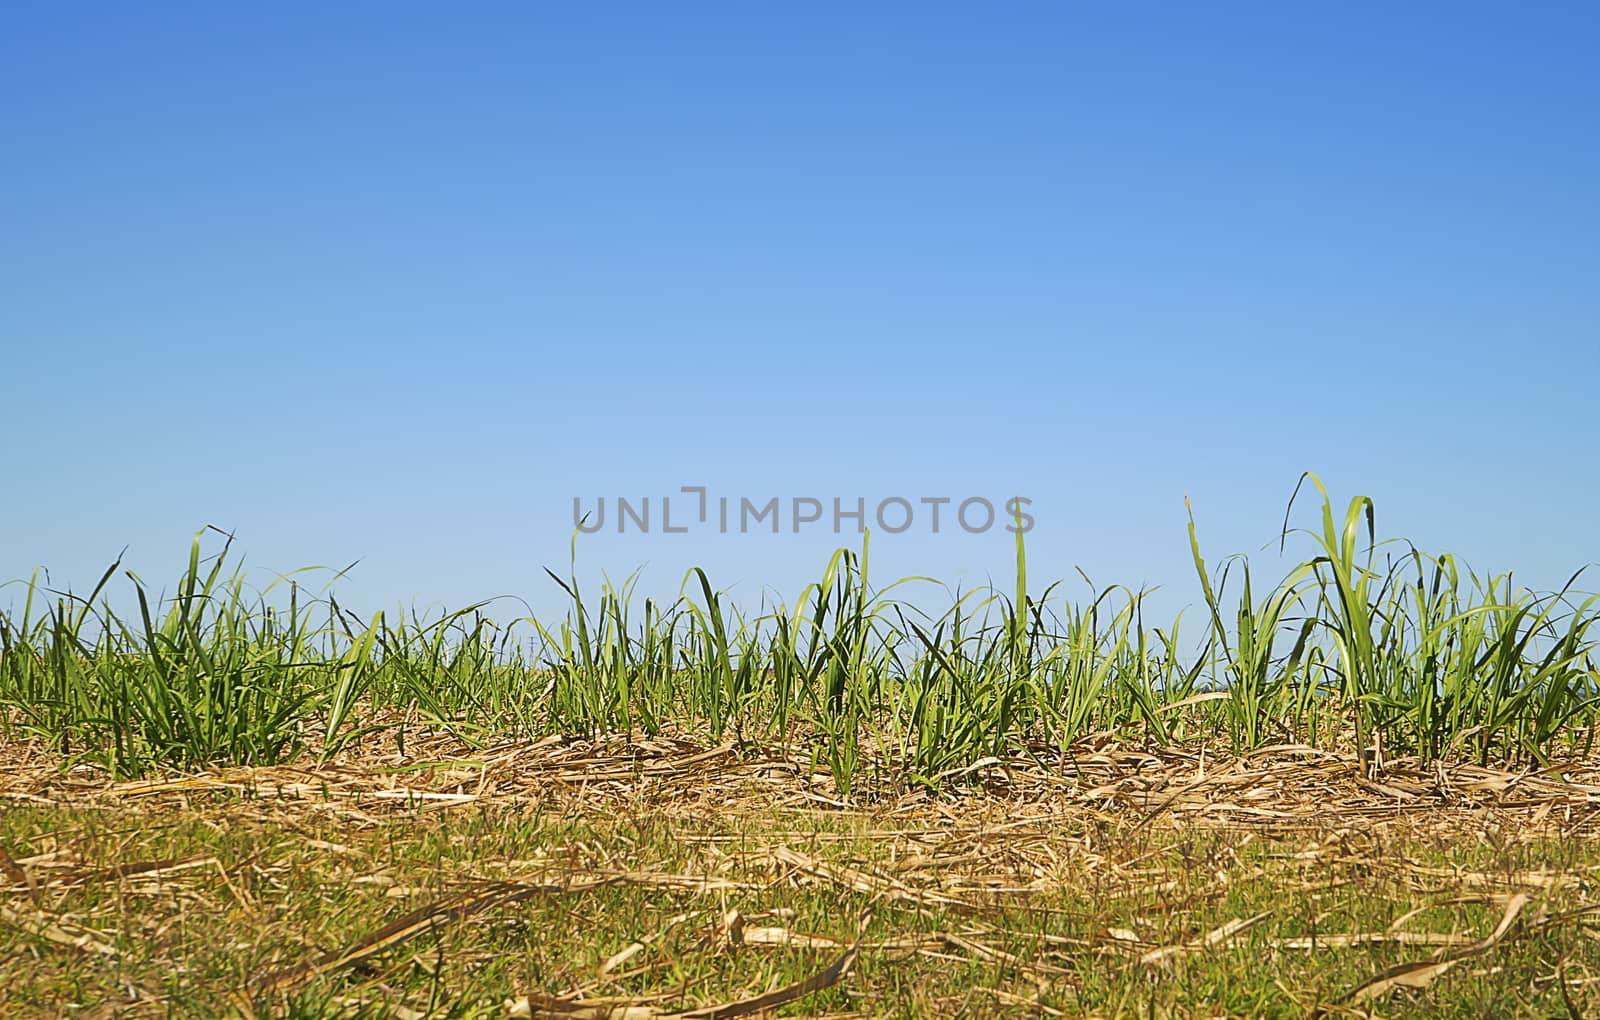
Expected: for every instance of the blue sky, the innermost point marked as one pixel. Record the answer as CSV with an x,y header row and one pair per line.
x,y
395,283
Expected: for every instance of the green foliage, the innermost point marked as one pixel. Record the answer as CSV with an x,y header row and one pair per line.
x,y
1417,654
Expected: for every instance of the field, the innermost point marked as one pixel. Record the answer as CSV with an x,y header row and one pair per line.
x,y
1368,788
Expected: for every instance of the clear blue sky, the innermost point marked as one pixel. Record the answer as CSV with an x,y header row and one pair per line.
x,y
394,283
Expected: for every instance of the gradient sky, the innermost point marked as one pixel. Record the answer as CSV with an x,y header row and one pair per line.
x,y
394,282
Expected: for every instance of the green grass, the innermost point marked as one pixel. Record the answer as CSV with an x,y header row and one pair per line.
x,y
1416,654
